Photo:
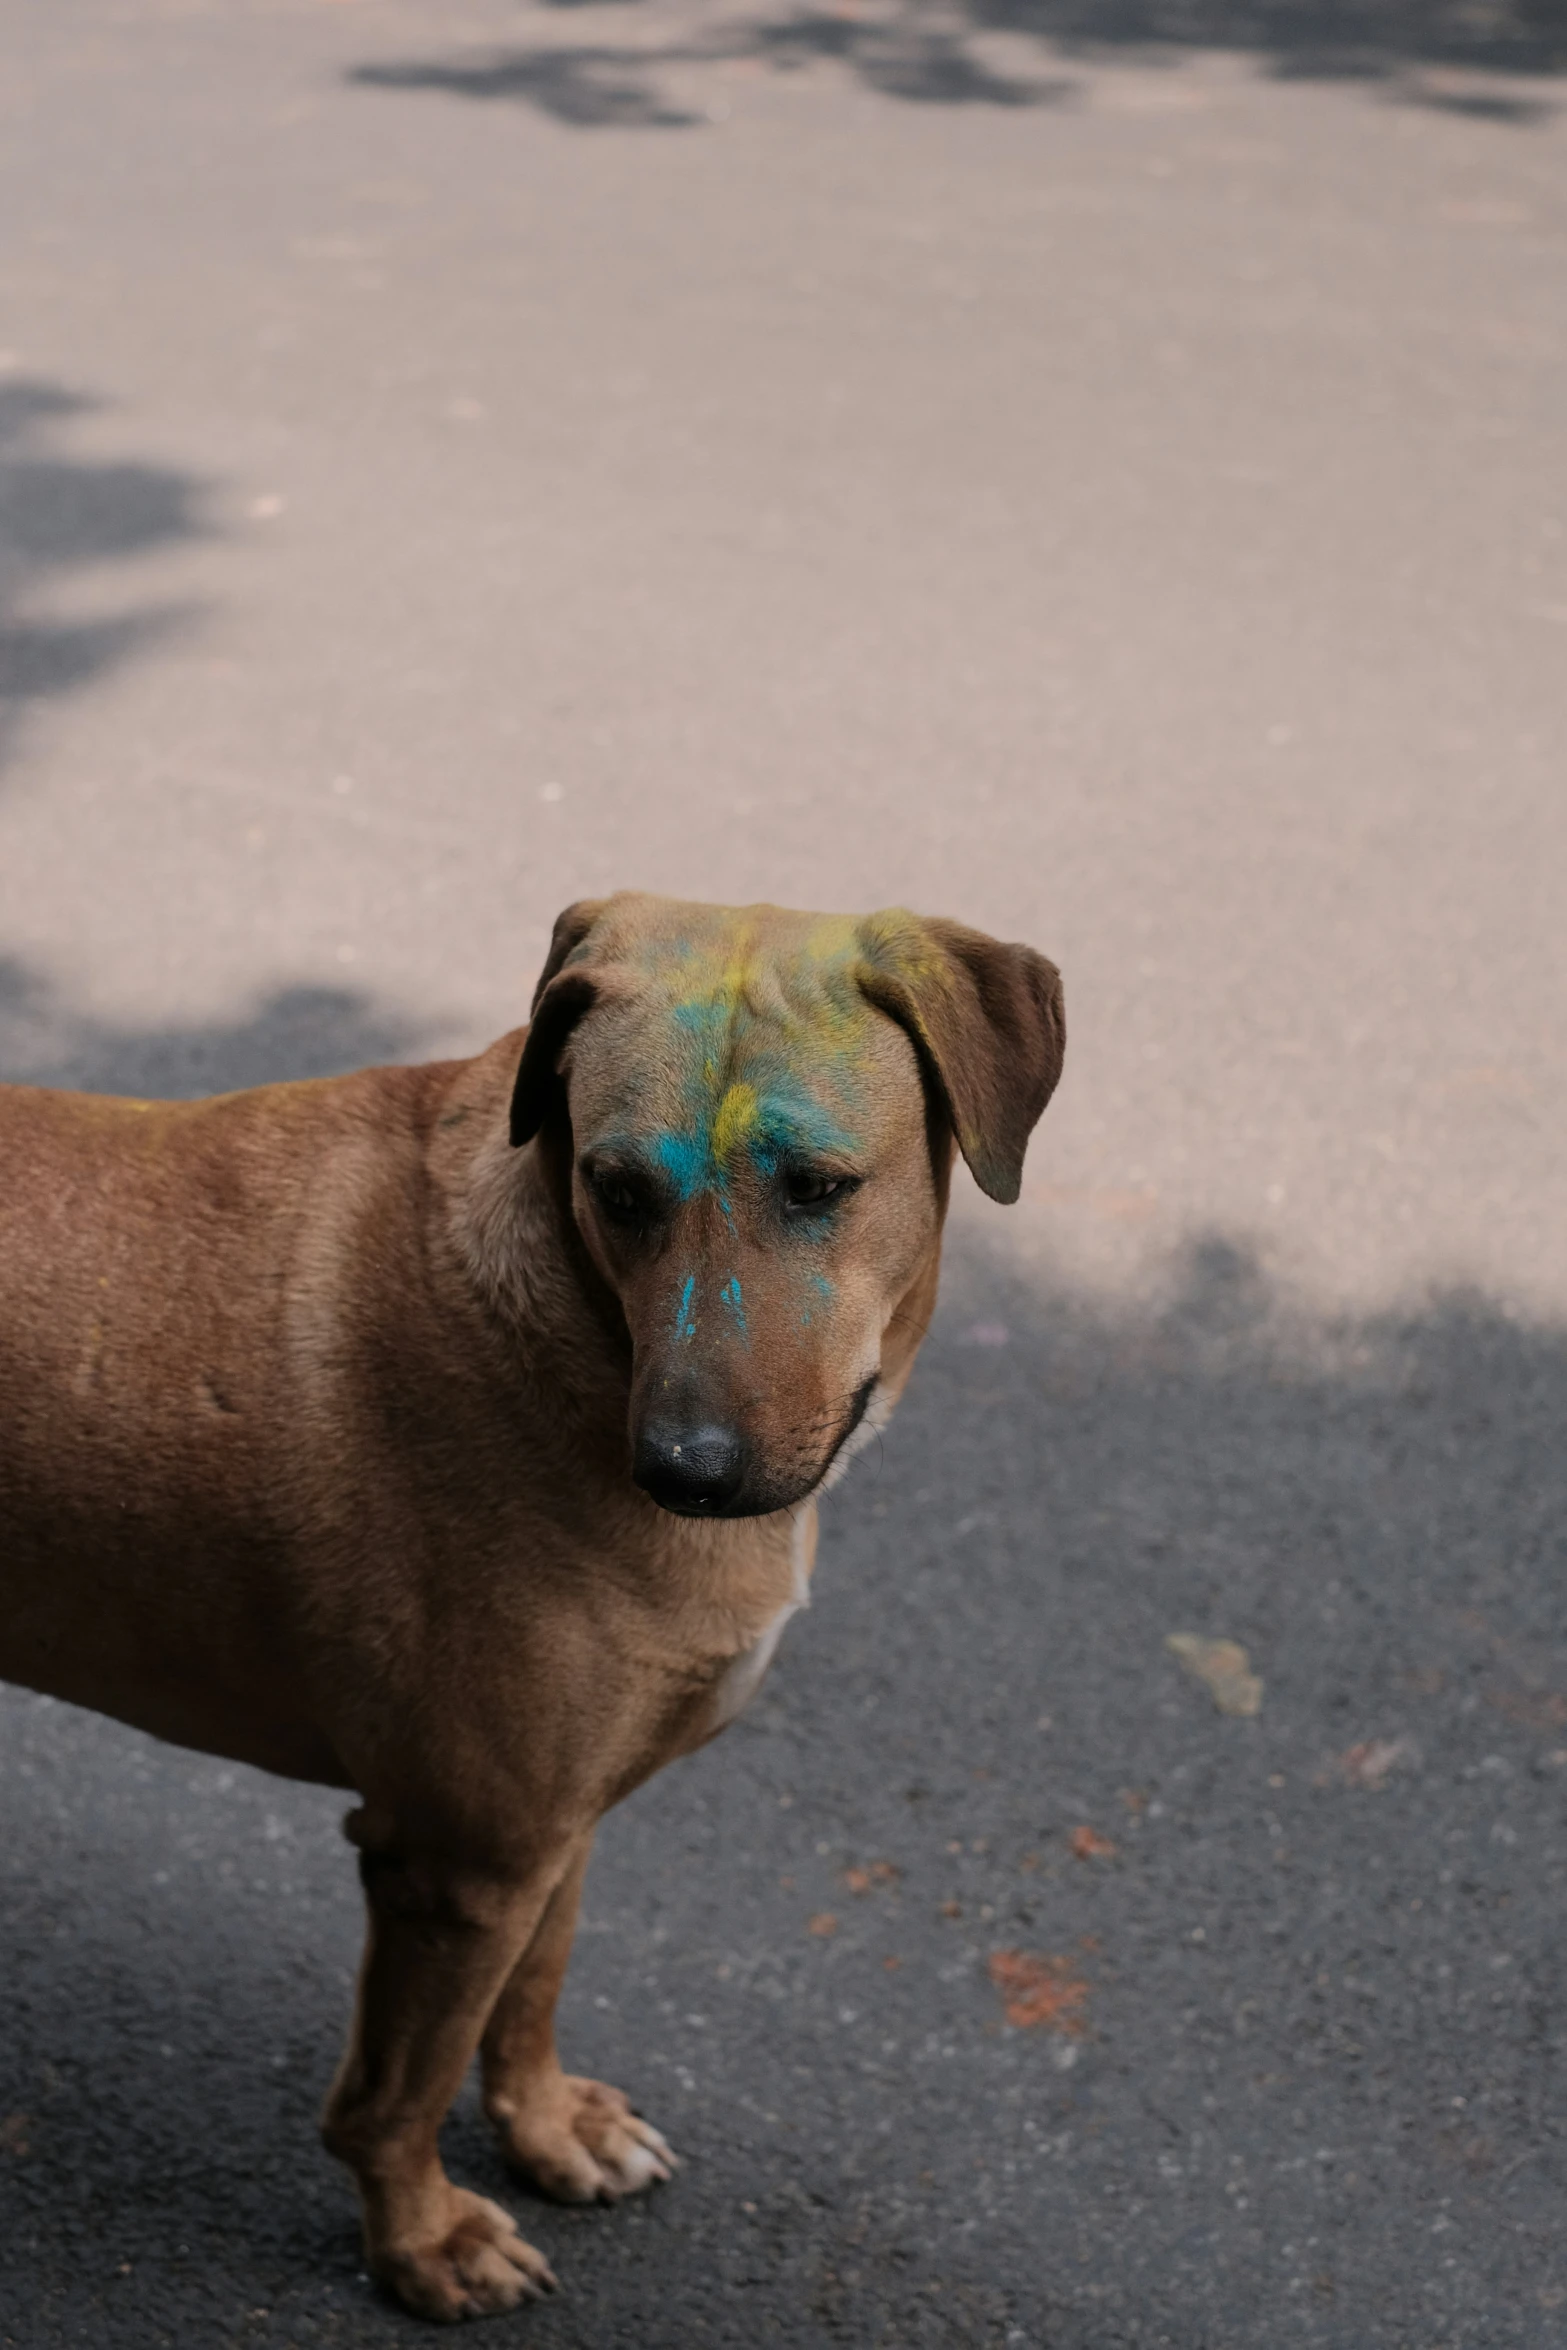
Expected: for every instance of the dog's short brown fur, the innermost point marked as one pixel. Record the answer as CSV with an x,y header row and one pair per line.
x,y
332,1417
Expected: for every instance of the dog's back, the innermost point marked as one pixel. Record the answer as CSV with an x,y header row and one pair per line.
x,y
151,1366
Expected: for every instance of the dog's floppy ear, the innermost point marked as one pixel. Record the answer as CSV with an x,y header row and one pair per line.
x,y
988,1024
559,1001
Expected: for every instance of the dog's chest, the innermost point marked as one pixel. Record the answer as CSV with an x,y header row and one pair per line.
x,y
740,1677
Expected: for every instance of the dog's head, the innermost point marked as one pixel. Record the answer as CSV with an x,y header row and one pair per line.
x,y
761,1110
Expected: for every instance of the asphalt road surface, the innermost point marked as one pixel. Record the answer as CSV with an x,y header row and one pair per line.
x,y
1097,470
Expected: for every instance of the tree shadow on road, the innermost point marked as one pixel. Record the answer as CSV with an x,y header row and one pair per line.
x,y
1331,1927
932,52
62,515
1304,40
602,85
296,1031
1324,2000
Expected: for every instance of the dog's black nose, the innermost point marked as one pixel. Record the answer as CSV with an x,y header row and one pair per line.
x,y
697,1471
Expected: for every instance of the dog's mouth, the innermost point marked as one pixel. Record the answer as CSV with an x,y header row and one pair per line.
x,y
858,1429
703,1472
852,1425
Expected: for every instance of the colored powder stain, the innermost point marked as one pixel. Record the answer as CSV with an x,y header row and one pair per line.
x,y
764,1128
819,1296
686,1160
685,1320
739,1024
734,1122
730,1295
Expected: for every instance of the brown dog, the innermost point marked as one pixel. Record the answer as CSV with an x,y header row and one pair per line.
x,y
451,1434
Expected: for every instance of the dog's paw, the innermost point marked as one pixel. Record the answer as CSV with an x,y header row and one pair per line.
x,y
582,2143
475,2265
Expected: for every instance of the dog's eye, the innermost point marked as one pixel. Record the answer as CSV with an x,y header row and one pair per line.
x,y
620,1200
805,1188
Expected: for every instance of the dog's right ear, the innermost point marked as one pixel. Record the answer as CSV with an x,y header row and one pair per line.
x,y
559,1001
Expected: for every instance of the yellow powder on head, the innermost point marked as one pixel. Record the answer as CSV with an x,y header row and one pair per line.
x,y
733,1121
739,971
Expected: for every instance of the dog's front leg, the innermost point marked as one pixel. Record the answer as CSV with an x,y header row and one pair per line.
x,y
577,2140
442,1941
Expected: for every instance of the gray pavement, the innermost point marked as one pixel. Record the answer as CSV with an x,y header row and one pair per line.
x,y
1094,470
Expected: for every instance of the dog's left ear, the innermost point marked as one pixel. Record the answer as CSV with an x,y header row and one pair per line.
x,y
988,1023
559,1001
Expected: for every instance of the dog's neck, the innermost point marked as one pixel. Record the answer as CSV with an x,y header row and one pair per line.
x,y
510,1214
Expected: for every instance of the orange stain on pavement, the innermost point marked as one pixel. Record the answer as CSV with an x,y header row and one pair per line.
x,y
1041,1991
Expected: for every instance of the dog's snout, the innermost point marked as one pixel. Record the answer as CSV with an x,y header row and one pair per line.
x,y
695,1470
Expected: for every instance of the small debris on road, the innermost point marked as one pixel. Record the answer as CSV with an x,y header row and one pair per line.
x,y
879,1872
823,1923
1088,1844
1041,1990
1223,1668
1369,1763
